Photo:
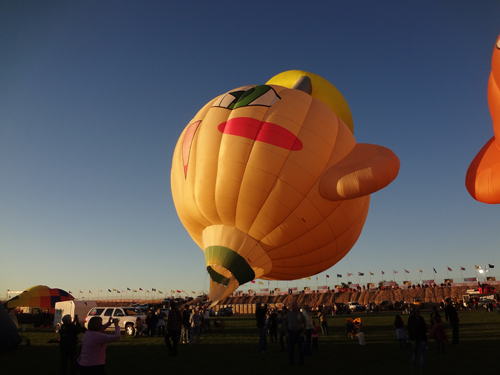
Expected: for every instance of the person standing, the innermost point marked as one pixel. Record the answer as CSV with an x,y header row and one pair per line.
x,y
273,326
161,323
309,329
206,319
281,322
295,328
417,330
93,355
151,322
401,335
173,329
260,316
67,344
185,324
323,319
195,321
452,316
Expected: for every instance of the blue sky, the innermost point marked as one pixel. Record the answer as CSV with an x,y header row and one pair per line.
x,y
95,94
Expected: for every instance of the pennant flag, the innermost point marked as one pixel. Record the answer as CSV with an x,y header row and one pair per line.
x,y
114,289
147,291
449,269
153,289
68,292
81,291
349,274
406,271
123,291
327,276
383,273
361,274
172,291
140,288
491,265
178,291
253,281
477,267
371,273
261,283
100,291
90,291
420,270
434,270
339,275
308,278
193,292
134,291
160,292
395,272
109,290
128,288
462,268
117,291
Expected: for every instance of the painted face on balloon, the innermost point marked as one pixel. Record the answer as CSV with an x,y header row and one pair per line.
x,y
270,183
247,127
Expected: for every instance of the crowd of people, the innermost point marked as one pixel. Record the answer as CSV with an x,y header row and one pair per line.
x,y
293,328
175,323
298,331
415,332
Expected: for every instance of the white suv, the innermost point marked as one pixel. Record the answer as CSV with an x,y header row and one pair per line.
x,y
355,306
127,316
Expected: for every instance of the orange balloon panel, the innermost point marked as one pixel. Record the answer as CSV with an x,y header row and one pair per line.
x,y
483,176
271,183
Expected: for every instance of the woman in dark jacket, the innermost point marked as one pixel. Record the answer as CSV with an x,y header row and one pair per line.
x,y
417,330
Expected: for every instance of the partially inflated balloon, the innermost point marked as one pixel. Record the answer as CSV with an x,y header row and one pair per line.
x,y
40,296
269,181
483,176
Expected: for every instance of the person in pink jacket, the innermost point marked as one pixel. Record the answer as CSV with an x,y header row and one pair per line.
x,y
93,355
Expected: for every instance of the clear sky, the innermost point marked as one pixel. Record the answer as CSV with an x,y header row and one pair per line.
x,y
94,94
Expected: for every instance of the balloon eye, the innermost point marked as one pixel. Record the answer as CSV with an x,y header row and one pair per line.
x,y
229,99
262,95
247,95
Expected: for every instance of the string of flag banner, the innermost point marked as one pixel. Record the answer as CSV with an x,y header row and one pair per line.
x,y
485,271
130,292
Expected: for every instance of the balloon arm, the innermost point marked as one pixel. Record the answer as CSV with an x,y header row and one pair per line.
x,y
365,170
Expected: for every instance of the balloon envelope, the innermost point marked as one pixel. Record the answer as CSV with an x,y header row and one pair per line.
x,y
39,296
270,182
483,176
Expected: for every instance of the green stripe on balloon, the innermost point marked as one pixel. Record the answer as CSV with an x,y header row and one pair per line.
x,y
232,261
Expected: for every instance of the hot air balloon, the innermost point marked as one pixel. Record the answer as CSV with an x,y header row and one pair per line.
x,y
39,296
483,176
269,181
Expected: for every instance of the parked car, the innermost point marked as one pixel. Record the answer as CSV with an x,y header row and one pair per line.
x,y
355,306
225,311
126,315
385,306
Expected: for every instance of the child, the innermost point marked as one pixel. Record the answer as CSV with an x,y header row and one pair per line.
x,y
139,327
400,332
438,334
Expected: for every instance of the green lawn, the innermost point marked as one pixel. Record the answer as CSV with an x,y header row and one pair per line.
x,y
235,351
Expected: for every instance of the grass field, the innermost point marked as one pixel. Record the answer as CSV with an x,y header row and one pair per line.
x,y
234,351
